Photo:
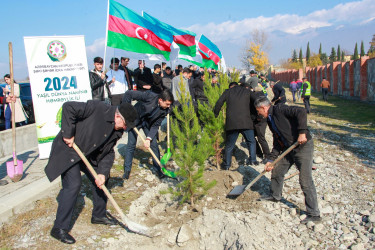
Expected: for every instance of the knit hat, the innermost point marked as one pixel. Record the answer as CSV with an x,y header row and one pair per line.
x,y
129,113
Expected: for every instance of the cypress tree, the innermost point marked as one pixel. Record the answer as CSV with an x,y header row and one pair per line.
x,y
332,57
294,56
320,49
355,55
308,52
362,49
343,56
191,146
300,55
339,53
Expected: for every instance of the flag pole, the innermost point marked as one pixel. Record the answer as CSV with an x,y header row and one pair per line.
x,y
106,36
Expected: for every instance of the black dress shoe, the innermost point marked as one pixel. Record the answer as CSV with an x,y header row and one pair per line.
x,y
102,220
268,198
254,163
311,218
126,175
62,235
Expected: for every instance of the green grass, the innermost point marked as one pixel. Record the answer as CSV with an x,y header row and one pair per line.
x,y
339,111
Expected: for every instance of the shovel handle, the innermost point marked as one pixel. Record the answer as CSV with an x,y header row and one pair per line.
x,y
95,175
12,104
149,149
168,130
273,164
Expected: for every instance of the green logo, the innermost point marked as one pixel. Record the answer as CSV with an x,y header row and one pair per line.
x,y
56,50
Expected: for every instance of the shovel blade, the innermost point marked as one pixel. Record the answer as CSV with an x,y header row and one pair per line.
x,y
236,191
15,172
138,228
164,160
168,173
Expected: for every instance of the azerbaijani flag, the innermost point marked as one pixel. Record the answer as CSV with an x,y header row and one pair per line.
x,y
129,31
211,54
183,38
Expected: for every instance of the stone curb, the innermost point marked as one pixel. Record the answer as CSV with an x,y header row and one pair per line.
x,y
16,202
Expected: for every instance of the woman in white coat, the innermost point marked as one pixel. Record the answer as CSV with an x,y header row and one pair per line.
x,y
19,112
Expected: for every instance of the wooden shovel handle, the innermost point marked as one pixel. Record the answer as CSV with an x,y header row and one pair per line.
x,y
273,164
95,175
167,130
149,149
12,104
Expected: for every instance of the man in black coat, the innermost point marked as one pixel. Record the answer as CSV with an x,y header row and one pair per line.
x,y
197,88
238,120
152,109
98,82
278,92
260,125
157,84
143,76
288,125
95,127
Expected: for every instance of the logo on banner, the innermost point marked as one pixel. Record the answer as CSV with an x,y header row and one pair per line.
x,y
56,51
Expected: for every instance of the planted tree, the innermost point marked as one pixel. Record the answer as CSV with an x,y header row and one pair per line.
x,y
342,56
339,53
300,55
332,57
320,49
191,146
294,56
362,49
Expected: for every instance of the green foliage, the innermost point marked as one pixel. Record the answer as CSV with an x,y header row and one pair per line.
x,y
320,49
308,52
355,55
362,49
215,126
342,56
191,149
339,54
371,50
300,55
294,56
324,58
332,56
315,61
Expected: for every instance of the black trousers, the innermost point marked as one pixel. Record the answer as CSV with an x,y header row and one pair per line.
x,y
67,198
306,101
260,132
303,159
325,94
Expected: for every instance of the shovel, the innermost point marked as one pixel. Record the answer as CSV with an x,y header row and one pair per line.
x,y
238,190
15,167
168,155
132,226
165,171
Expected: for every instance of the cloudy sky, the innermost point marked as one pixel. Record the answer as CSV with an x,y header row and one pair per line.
x,y
289,24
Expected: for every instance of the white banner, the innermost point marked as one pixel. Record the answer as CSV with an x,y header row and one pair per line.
x,y
58,73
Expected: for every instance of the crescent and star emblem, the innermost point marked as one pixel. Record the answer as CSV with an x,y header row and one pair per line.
x,y
209,53
140,36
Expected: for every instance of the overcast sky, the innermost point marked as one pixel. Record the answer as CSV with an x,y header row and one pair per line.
x,y
289,24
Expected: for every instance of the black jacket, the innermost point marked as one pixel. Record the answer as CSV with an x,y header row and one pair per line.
x,y
279,92
253,111
157,85
92,125
238,108
198,90
143,77
97,86
290,121
150,113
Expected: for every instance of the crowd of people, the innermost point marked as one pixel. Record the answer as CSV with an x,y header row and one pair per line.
x,y
96,125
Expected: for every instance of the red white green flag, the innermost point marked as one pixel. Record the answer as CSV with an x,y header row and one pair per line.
x,y
131,32
211,54
183,38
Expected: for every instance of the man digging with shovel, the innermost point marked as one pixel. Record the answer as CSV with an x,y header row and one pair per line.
x,y
288,125
95,127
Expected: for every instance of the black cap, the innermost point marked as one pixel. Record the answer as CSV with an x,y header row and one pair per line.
x,y
252,71
129,113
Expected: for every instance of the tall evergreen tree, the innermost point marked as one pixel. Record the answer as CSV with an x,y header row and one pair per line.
x,y
324,58
294,56
339,53
320,49
300,55
332,57
308,52
191,148
355,55
362,49
342,56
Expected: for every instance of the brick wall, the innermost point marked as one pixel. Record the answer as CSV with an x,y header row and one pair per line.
x,y
353,78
